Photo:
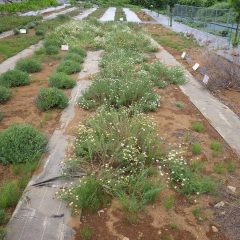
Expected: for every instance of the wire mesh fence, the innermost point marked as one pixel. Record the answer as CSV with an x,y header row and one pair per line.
x,y
219,22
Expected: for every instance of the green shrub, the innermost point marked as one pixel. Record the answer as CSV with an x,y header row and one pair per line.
x,y
14,78
51,42
5,94
216,147
21,143
29,65
51,98
51,50
78,50
169,202
61,80
31,25
74,57
196,148
40,31
2,216
180,105
68,67
16,31
198,127
39,51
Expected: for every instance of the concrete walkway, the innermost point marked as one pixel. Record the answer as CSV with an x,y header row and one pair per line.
x,y
85,14
109,15
42,11
224,120
131,16
54,15
10,62
40,215
203,38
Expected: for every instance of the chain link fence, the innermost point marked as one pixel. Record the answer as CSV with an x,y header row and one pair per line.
x,y
219,22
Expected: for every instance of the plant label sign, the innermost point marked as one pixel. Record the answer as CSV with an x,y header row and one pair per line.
x,y
183,55
121,19
23,31
64,47
205,79
196,66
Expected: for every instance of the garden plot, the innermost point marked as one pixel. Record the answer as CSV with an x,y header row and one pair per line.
x,y
154,166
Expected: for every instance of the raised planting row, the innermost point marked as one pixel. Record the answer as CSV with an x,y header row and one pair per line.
x,y
119,148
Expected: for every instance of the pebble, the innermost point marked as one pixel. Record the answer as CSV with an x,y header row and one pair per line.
x,y
214,229
232,189
220,204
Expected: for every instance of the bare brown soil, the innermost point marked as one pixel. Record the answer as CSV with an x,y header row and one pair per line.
x,y
145,17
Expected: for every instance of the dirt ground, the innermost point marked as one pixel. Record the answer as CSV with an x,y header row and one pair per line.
x,y
145,17
229,97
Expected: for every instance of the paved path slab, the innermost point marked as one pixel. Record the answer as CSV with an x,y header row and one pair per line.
x,y
223,119
109,15
131,16
54,15
40,215
85,14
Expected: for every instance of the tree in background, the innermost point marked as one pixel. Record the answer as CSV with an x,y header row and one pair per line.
x,y
236,5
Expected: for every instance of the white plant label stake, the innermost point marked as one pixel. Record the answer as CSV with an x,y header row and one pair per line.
x,y
121,19
196,66
23,31
205,79
183,55
64,47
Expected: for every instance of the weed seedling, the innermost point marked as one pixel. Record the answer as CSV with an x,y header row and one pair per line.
x,y
198,127
169,202
86,233
196,148
180,105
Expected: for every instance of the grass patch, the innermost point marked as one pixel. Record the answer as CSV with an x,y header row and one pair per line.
x,y
198,127
9,194
86,233
196,148
169,202
223,167
14,78
51,98
10,22
216,147
14,44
